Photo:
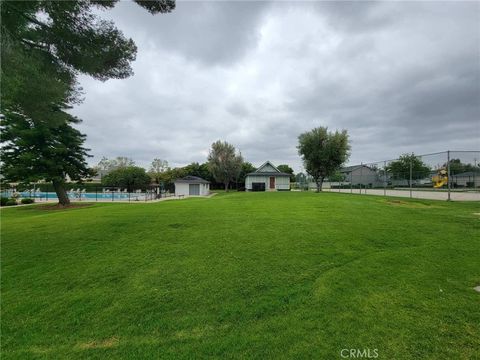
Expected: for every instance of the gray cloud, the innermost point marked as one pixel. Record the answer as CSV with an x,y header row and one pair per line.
x,y
400,77
206,32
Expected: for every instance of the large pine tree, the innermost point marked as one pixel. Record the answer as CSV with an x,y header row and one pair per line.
x,y
45,45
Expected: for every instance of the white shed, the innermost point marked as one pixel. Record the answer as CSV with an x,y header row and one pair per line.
x,y
267,178
192,186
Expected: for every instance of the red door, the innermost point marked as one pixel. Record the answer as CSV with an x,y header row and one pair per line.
x,y
272,182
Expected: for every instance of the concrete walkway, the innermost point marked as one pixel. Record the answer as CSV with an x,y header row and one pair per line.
x,y
416,194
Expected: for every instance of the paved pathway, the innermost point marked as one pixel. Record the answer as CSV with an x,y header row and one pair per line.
x,y
416,194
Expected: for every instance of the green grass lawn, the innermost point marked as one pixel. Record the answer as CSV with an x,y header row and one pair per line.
x,y
242,275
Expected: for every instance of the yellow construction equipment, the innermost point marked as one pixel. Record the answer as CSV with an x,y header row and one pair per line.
x,y
440,179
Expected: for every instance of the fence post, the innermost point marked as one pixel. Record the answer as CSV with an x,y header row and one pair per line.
x,y
448,174
410,181
361,176
366,186
474,172
384,178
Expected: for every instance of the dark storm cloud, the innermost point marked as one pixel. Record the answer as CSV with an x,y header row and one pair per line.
x,y
400,77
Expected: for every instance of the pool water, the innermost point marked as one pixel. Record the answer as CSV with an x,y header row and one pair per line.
x,y
79,196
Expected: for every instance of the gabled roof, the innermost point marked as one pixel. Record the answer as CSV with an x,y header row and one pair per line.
x,y
267,173
265,164
192,180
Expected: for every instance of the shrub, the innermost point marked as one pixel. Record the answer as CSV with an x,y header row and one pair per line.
x,y
3,201
11,202
27,201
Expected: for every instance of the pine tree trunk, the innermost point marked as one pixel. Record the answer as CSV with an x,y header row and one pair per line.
x,y
61,193
226,186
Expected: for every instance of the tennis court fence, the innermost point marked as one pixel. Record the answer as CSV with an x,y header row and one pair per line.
x,y
447,175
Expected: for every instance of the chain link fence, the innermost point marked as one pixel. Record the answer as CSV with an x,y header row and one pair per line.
x,y
92,193
447,175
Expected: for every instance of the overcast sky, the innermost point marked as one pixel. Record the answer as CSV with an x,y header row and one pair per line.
x,y
400,77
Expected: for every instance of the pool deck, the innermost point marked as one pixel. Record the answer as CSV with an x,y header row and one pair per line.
x,y
123,201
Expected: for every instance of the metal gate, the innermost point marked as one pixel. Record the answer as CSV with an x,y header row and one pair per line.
x,y
194,189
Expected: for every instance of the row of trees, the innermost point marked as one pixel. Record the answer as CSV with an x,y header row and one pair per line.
x,y
225,166
123,173
323,153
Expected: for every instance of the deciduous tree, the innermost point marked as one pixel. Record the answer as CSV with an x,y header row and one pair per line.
x,y
157,168
458,167
224,163
130,177
287,169
108,165
200,170
323,152
246,168
400,169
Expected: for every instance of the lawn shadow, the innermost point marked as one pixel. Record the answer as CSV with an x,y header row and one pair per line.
x,y
55,207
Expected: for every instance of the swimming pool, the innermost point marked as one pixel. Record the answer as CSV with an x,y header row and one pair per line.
x,y
78,196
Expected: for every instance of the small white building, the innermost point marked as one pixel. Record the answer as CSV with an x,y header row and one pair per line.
x,y
267,178
192,186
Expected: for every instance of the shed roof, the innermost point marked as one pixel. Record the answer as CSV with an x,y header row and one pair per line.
x,y
192,180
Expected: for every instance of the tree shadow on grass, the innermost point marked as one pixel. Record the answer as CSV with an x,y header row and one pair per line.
x,y
56,207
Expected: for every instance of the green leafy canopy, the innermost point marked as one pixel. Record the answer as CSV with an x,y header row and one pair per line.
x,y
130,177
323,152
400,169
224,163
